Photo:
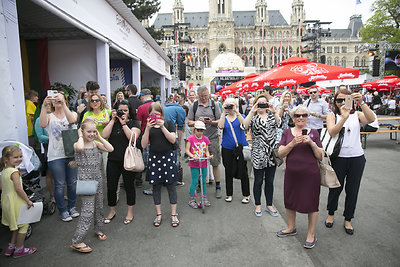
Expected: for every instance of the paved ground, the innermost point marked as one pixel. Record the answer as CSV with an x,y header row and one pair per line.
x,y
228,234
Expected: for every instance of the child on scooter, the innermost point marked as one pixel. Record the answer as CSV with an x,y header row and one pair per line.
x,y
197,149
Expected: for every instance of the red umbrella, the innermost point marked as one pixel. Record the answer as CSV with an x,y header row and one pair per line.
x,y
302,90
297,70
388,83
243,84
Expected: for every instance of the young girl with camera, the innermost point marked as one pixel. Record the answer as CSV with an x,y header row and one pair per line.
x,y
12,199
197,149
88,160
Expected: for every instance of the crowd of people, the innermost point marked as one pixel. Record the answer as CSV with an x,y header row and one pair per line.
x,y
214,131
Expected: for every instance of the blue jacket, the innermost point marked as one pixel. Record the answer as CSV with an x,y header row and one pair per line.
x,y
175,113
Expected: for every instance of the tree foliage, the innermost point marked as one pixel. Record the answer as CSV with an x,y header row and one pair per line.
x,y
144,9
384,24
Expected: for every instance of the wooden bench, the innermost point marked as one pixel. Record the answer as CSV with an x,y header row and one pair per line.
x,y
364,135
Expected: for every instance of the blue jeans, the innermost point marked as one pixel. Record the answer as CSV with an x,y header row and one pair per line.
x,y
64,175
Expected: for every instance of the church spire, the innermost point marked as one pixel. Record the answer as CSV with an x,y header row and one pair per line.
x,y
178,16
298,13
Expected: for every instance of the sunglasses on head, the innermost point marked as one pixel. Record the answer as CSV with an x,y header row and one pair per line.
x,y
305,115
339,100
94,100
313,92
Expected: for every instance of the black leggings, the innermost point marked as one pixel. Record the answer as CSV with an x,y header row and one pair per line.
x,y
114,171
259,174
171,193
352,170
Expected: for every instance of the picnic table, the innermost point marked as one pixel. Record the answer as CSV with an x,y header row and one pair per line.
x,y
392,130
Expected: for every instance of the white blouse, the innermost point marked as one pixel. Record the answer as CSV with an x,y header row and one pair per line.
x,y
351,146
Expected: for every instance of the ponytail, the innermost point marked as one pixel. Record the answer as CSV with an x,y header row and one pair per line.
x,y
2,163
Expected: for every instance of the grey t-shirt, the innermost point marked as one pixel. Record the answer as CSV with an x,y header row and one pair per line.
x,y
206,111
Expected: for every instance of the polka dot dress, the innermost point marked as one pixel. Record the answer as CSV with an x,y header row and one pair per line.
x,y
161,168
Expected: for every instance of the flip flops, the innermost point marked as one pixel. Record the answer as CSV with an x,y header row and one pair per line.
x,y
101,236
84,249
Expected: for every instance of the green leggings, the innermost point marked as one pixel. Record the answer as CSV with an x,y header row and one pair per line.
x,y
195,179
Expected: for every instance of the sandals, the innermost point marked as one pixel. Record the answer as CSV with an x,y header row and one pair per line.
x,y
157,222
128,221
108,220
101,236
84,249
174,223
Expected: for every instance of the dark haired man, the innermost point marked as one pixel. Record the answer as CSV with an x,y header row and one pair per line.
x,y
134,102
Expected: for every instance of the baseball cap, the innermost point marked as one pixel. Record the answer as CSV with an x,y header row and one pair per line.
x,y
145,92
199,125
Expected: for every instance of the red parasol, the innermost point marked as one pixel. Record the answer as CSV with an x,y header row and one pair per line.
x,y
388,83
297,70
244,84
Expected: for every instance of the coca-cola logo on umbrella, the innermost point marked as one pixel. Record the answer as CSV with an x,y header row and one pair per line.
x,y
308,69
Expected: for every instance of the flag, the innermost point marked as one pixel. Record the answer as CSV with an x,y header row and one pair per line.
x,y
358,2
262,47
273,51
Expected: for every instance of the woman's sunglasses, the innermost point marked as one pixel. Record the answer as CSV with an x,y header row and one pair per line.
x,y
305,115
94,100
339,100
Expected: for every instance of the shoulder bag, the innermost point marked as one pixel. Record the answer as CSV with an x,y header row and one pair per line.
x,y
133,160
239,149
328,175
332,145
275,155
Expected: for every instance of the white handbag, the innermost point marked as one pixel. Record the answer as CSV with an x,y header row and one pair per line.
x,y
328,175
133,160
332,145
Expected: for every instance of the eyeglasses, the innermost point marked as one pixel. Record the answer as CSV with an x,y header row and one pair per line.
x,y
305,115
339,100
200,130
94,100
313,92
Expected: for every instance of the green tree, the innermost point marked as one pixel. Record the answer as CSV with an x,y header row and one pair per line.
x,y
384,24
145,9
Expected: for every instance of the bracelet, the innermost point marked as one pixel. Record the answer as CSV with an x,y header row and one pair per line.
x,y
362,103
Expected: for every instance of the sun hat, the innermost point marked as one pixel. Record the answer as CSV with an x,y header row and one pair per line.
x,y
199,125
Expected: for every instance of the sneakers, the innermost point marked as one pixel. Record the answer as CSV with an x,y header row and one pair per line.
x,y
65,217
10,250
218,193
180,183
228,199
23,252
73,212
206,202
246,200
148,192
192,203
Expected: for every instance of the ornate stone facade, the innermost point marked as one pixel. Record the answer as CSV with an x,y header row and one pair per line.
x,y
261,37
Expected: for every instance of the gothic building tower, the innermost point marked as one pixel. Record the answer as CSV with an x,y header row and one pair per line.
x,y
178,16
261,13
221,27
298,13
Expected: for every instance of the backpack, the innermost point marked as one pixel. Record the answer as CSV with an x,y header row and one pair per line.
x,y
196,105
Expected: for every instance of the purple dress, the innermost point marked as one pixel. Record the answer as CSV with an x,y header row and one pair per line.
x,y
302,178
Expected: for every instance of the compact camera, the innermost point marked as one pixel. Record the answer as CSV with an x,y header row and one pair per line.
x,y
120,112
229,107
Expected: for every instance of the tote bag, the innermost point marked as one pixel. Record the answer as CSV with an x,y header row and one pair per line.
x,y
133,160
328,175
332,145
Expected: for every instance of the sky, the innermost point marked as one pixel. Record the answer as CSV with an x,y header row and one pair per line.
x,y
336,11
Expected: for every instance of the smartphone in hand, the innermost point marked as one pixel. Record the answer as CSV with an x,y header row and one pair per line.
x,y
304,132
348,102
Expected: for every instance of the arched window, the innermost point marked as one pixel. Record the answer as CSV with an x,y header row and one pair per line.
x,y
336,61
363,62
329,61
356,62
343,62
252,60
205,62
222,48
245,61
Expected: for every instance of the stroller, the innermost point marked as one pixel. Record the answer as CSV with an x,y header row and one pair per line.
x,y
30,174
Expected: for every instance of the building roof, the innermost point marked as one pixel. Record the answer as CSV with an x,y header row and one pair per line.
x,y
200,19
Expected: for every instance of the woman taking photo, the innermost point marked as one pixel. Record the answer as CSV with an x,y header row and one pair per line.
x,y
301,147
285,106
162,168
230,121
60,118
119,131
263,121
350,163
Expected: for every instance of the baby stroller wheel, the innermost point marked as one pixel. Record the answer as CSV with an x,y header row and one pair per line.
x,y
51,208
28,232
